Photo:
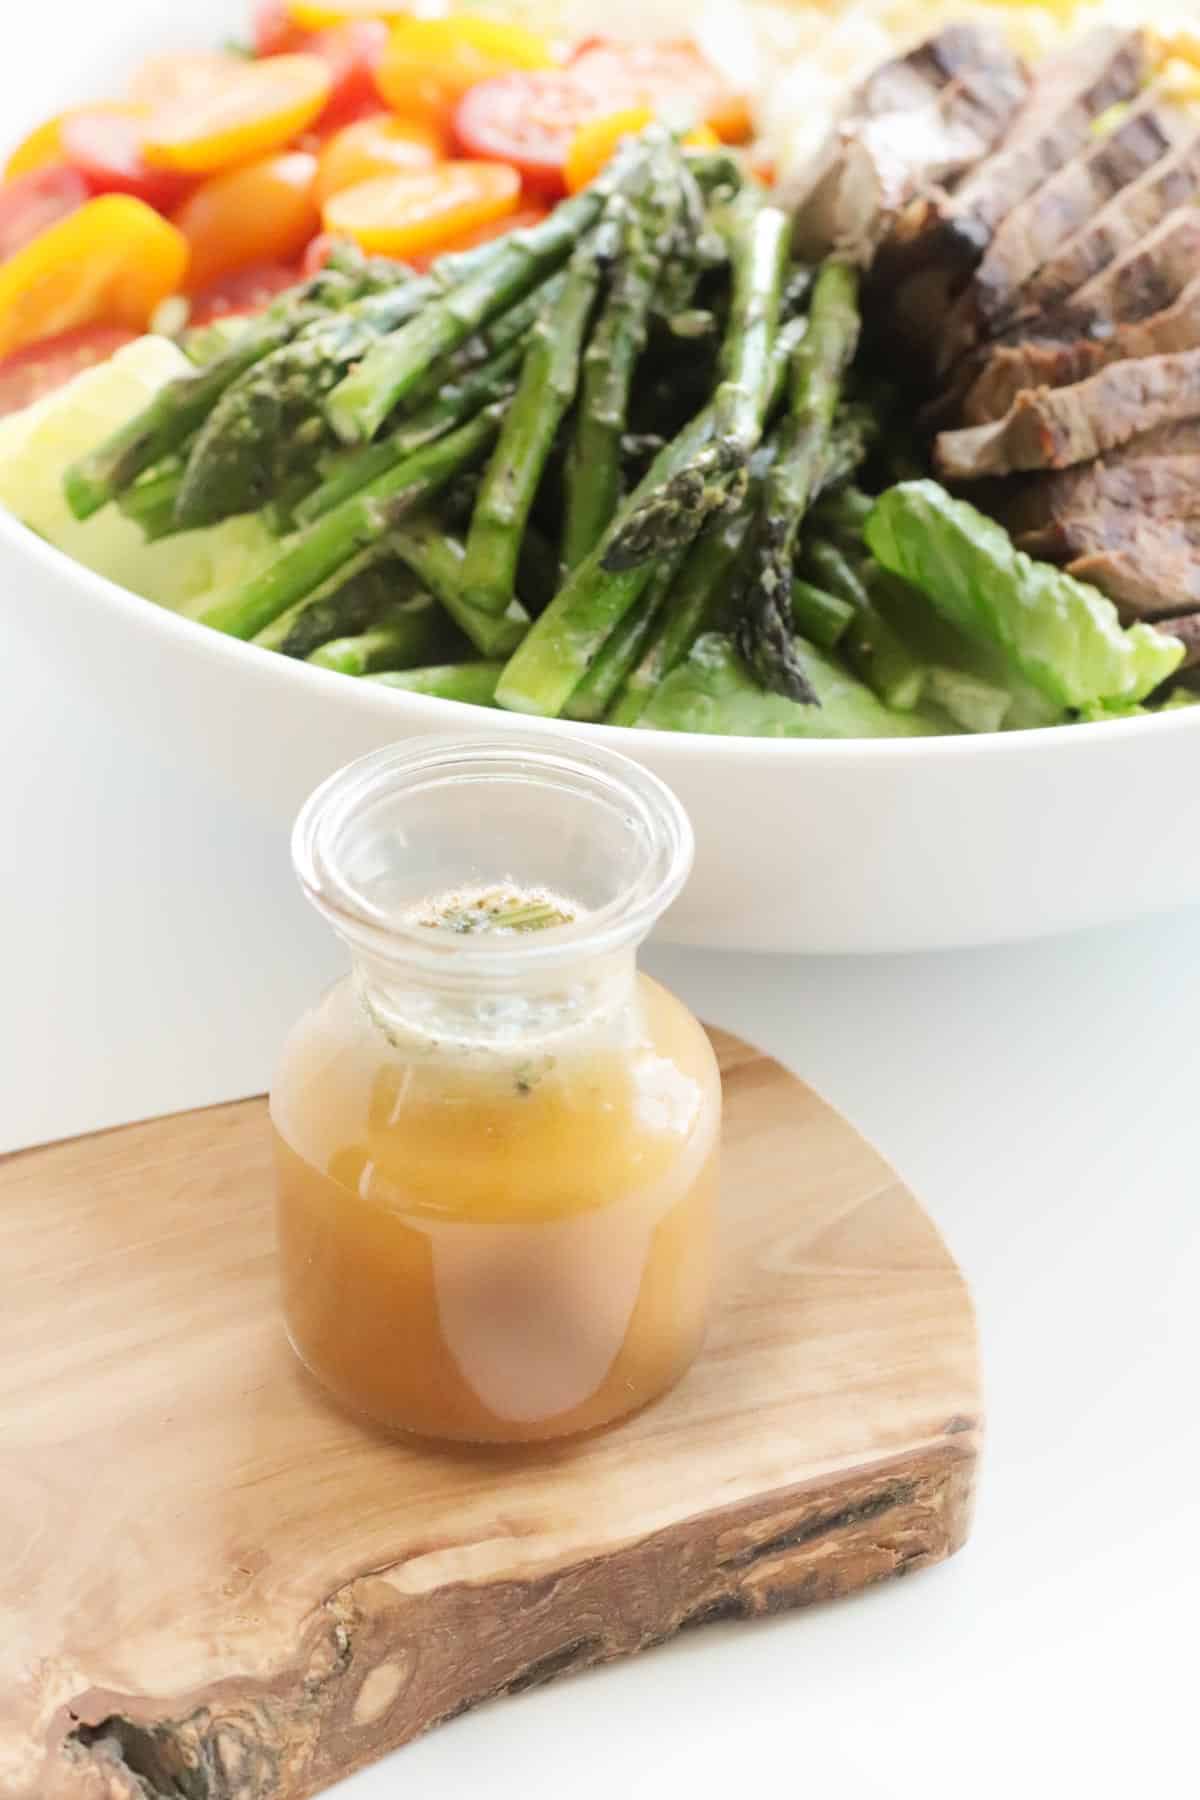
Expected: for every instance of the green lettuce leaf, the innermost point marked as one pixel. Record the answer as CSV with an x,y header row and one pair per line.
x,y
1060,634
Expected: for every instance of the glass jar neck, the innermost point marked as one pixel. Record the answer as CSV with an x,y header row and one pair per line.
x,y
570,1007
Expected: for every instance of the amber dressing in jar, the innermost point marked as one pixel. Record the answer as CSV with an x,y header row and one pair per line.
x,y
496,1142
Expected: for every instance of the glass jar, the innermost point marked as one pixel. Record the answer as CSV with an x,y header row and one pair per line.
x,y
496,1144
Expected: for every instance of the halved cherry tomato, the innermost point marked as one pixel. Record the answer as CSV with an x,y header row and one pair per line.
x,y
352,54
105,145
482,234
40,368
246,291
178,74
675,80
593,145
43,146
275,31
404,215
384,145
260,108
429,64
315,15
110,263
530,120
262,212
32,202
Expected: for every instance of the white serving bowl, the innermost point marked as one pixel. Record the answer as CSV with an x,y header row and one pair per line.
x,y
801,846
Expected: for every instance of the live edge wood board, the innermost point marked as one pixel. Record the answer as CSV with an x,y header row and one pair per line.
x,y
215,1585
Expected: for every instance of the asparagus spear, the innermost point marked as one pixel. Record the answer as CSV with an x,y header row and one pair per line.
x,y
473,683
624,647
403,635
819,365
549,377
758,237
150,502
562,644
437,560
873,647
181,405
819,616
360,403
593,470
349,602
842,514
314,554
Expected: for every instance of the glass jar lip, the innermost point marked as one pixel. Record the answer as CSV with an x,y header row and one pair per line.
x,y
332,808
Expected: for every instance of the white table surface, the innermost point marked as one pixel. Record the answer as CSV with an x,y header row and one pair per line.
x,y
1041,1099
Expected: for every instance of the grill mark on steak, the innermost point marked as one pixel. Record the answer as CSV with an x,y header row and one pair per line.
x,y
1133,214
1031,233
1139,284
1010,369
879,156
1051,428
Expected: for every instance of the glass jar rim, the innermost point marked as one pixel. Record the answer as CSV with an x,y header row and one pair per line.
x,y
334,807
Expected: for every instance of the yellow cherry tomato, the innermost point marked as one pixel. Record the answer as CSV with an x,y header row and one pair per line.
x,y
406,215
316,15
593,144
383,146
111,263
259,108
263,212
430,63
43,146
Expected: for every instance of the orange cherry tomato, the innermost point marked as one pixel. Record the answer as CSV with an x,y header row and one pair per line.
x,y
593,144
383,145
245,291
105,144
531,120
179,74
675,80
40,368
260,108
263,212
405,215
43,146
275,31
429,64
35,201
482,234
111,263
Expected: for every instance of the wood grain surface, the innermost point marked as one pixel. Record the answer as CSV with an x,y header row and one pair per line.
x,y
215,1585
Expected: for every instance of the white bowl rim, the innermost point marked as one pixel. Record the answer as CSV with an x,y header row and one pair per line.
x,y
219,647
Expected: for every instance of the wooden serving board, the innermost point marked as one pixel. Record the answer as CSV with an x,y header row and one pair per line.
x,y
214,1584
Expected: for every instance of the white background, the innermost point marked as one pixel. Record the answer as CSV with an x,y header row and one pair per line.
x,y
1040,1099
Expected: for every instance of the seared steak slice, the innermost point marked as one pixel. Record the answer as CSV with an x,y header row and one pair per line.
x,y
880,156
1070,90
1118,228
1139,284
1051,428
1053,213
1010,368
1156,573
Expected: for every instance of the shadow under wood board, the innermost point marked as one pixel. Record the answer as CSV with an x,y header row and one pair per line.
x,y
215,1584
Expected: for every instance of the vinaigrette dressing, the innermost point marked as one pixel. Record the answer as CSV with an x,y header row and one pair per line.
x,y
496,1145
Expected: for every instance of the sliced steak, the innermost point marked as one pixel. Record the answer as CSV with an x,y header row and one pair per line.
x,y
1139,284
1052,428
1187,630
1154,574
1010,369
1070,90
879,157
1117,229
1052,214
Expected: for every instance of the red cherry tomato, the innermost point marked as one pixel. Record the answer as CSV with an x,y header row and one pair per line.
x,y
674,79
31,202
275,31
529,119
40,368
245,291
106,147
352,53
